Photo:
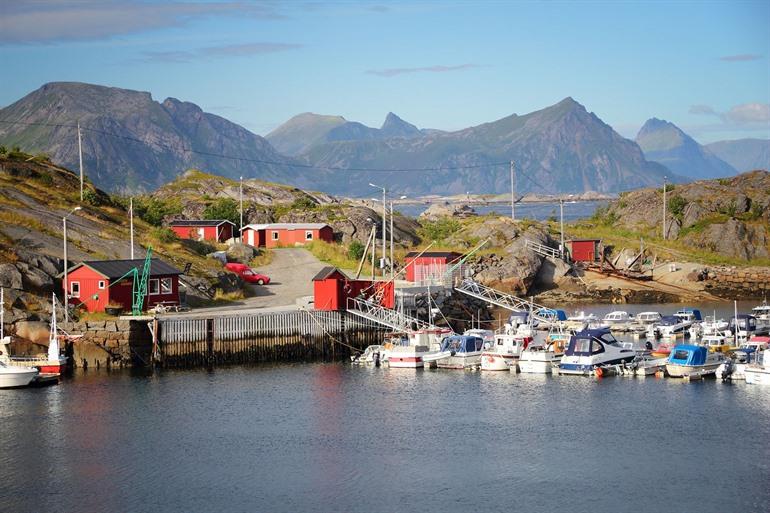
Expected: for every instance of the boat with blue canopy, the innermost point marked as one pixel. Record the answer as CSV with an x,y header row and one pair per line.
x,y
690,361
457,352
593,348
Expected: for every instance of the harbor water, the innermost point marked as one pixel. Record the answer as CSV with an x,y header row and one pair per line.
x,y
538,211
332,437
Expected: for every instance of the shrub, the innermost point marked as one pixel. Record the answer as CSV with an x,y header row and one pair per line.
x,y
676,205
356,250
440,229
223,208
47,180
153,210
91,198
304,203
756,211
165,235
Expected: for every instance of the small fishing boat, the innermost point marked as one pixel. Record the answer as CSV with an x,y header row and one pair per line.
x,y
372,355
591,349
734,368
668,326
457,352
691,361
503,352
13,376
717,342
540,357
759,373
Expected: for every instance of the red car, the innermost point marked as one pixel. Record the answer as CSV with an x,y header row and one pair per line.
x,y
247,274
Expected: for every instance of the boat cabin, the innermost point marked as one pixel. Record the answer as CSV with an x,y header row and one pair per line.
x,y
648,317
685,354
745,322
462,344
552,314
617,316
589,342
689,314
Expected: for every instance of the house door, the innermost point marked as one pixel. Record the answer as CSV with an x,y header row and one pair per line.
x,y
251,237
201,234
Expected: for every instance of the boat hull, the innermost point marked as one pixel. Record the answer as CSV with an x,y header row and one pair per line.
x,y
676,370
459,362
542,365
497,362
13,377
757,376
405,362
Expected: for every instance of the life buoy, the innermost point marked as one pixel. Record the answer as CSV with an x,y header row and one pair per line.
x,y
599,372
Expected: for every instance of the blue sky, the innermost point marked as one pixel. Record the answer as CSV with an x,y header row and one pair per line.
x,y
702,65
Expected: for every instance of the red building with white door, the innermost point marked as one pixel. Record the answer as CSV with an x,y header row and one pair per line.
x,y
95,284
428,266
286,234
214,230
332,288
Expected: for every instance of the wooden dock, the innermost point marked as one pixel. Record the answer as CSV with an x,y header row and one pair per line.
x,y
290,336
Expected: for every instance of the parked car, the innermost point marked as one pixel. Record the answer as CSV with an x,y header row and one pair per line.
x,y
247,274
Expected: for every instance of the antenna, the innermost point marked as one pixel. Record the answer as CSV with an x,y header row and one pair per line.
x,y
80,157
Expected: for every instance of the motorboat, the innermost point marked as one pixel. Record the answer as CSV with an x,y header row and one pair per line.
x,y
552,317
593,348
619,318
691,361
372,355
503,352
668,326
647,318
734,368
663,349
457,352
488,336
12,376
580,318
746,326
538,358
711,325
759,373
407,352
762,314
717,342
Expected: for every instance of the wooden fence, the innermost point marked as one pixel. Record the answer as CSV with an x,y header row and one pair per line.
x,y
297,335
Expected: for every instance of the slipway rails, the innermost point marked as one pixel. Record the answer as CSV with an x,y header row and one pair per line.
x,y
388,317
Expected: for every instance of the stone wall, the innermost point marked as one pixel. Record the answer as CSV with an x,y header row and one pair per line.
x,y
737,282
110,343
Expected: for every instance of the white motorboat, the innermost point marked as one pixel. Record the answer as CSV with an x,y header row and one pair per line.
x,y
408,352
711,325
457,352
762,314
504,352
759,373
618,318
735,368
668,326
12,376
539,358
372,355
746,326
690,361
593,348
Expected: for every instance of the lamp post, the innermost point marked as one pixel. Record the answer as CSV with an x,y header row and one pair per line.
x,y
561,223
240,230
384,215
131,224
664,208
66,283
392,275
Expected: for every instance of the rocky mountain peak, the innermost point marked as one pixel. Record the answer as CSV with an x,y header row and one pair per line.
x,y
394,126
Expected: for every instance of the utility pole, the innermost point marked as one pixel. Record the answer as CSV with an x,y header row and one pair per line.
x,y
80,157
664,208
561,226
391,240
66,282
513,192
131,224
240,232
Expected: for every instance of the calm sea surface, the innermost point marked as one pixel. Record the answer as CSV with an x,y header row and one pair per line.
x,y
331,437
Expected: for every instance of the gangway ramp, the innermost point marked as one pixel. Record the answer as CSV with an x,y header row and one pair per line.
x,y
393,319
502,299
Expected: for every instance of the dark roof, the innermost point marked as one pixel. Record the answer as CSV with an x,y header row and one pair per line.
x,y
113,269
327,272
584,240
439,254
199,222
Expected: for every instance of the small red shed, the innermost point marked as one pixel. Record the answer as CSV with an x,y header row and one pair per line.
x,y
584,250
332,288
217,230
94,284
431,265
286,234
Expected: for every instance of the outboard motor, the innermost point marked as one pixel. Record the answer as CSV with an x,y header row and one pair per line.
x,y
648,345
376,358
729,369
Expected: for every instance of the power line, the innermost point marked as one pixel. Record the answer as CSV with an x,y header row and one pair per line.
x,y
262,161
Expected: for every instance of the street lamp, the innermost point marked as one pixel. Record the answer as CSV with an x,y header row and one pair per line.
x,y
664,208
66,283
561,222
384,215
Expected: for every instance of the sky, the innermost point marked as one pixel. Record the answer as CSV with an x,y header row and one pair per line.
x,y
703,65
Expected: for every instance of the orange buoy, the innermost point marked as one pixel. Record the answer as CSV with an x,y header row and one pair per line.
x,y
599,372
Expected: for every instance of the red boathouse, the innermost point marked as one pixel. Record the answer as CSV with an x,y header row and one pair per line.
x,y
94,284
332,288
286,234
428,266
584,250
215,230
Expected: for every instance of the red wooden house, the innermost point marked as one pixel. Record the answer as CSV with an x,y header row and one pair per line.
x,y
215,230
332,289
95,284
431,265
584,250
286,234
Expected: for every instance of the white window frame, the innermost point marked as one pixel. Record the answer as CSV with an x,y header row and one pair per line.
x,y
101,285
170,287
157,287
274,234
308,234
73,293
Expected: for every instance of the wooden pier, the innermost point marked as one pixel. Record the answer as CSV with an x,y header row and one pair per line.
x,y
290,336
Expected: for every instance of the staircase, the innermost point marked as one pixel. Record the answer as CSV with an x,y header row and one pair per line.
x,y
502,299
393,319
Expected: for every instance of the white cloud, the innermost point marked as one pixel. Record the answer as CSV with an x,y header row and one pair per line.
x,y
392,72
748,113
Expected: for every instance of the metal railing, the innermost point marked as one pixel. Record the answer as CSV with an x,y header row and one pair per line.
x,y
502,299
542,249
385,316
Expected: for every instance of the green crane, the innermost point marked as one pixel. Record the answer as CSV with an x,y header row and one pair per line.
x,y
139,283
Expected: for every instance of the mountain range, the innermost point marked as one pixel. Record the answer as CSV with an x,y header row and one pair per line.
x,y
665,143
134,143
743,154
